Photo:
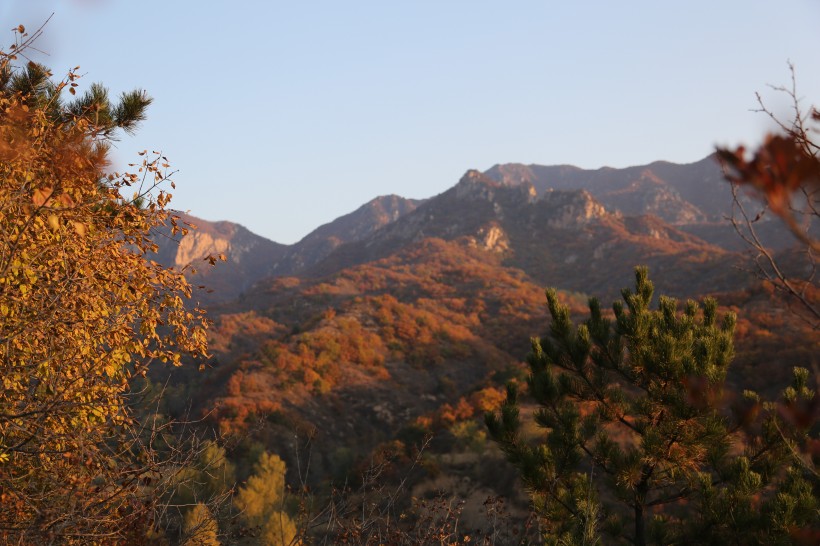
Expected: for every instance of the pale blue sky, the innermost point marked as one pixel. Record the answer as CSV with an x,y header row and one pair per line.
x,y
285,115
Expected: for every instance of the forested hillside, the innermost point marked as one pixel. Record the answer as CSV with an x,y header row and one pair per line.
x,y
412,329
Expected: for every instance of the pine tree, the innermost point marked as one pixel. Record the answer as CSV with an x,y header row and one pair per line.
x,y
637,449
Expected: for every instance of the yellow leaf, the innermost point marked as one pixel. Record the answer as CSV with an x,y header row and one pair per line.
x,y
53,222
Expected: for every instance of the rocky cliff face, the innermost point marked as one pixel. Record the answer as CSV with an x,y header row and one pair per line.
x,y
652,189
195,247
249,256
572,209
490,239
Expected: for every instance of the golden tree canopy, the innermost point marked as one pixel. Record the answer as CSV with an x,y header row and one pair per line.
x,y
262,501
83,308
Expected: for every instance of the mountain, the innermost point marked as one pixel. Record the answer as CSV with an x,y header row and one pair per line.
x,y
678,194
426,303
563,238
693,197
547,220
352,227
424,292
251,257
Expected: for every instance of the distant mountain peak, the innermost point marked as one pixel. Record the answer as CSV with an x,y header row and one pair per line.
x,y
679,194
474,179
352,227
476,185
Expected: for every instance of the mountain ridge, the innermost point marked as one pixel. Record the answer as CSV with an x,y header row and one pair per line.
x,y
689,203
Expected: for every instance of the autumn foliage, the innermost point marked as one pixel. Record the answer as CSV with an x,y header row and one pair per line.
x,y
82,309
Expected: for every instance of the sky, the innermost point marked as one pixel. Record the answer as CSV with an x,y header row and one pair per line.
x,y
282,116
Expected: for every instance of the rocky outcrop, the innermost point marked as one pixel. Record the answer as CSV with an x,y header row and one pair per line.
x,y
656,189
250,257
491,239
475,185
195,246
572,209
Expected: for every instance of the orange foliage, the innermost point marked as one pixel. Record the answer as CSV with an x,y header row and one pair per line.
x,y
488,399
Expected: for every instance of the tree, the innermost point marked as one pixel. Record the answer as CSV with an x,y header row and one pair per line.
x,y
637,448
209,479
784,172
83,310
262,501
200,527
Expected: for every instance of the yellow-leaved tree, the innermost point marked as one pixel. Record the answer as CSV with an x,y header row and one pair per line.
x,y
262,502
200,527
83,309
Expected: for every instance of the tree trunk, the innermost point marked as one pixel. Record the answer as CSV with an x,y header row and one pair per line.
x,y
640,528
